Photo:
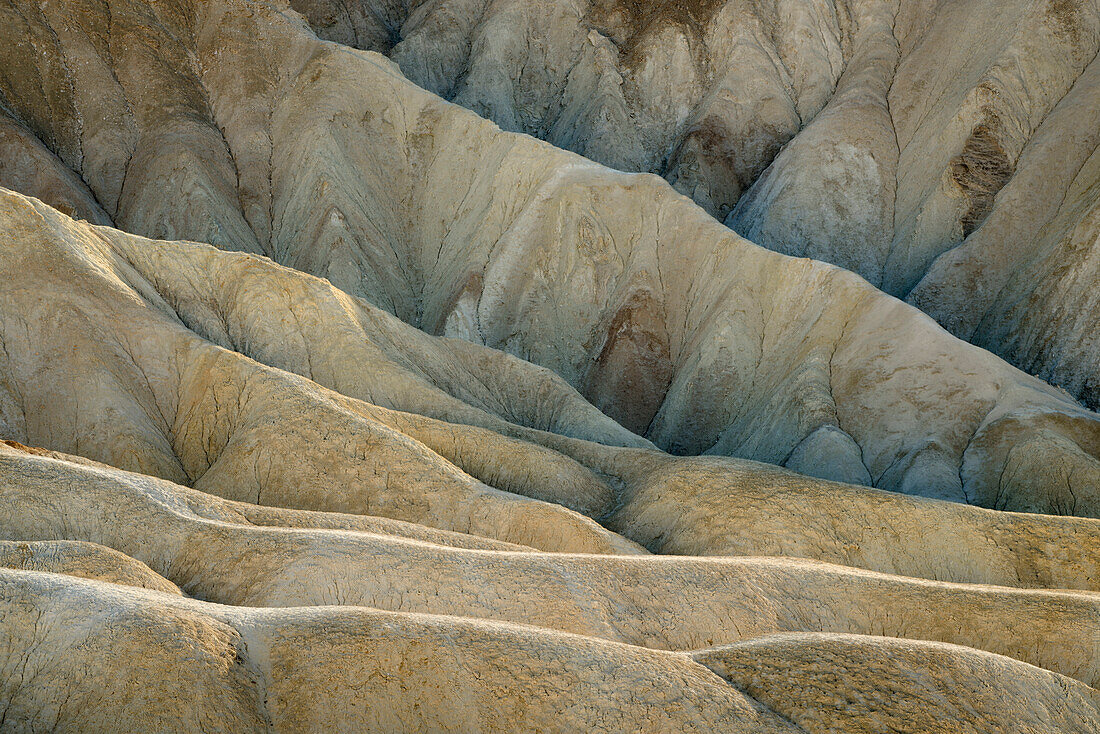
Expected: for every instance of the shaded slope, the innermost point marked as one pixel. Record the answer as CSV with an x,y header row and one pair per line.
x,y
456,227
387,528
102,359
873,134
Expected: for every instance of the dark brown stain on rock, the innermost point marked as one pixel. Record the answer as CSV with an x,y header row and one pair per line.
x,y
640,14
1066,15
628,21
631,376
24,448
981,170
733,161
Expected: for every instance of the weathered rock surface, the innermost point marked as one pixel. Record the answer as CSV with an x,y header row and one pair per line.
x,y
185,405
213,552
329,161
797,676
82,559
132,352
879,135
356,412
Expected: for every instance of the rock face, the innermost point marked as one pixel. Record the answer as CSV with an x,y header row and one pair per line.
x,y
329,161
358,412
938,149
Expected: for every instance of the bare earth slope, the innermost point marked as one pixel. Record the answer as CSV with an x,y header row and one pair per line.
x,y
440,512
329,161
217,551
939,149
355,412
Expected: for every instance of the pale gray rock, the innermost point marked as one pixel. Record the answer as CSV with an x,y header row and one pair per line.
x,y
872,134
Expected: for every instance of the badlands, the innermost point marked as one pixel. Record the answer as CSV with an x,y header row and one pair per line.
x,y
458,366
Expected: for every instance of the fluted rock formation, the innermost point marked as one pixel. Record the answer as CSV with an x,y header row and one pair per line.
x,y
873,134
357,412
344,169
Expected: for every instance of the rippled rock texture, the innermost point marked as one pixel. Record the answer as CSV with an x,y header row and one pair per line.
x,y
358,412
944,150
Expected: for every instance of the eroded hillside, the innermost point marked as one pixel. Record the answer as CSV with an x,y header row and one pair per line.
x,y
945,151
358,412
